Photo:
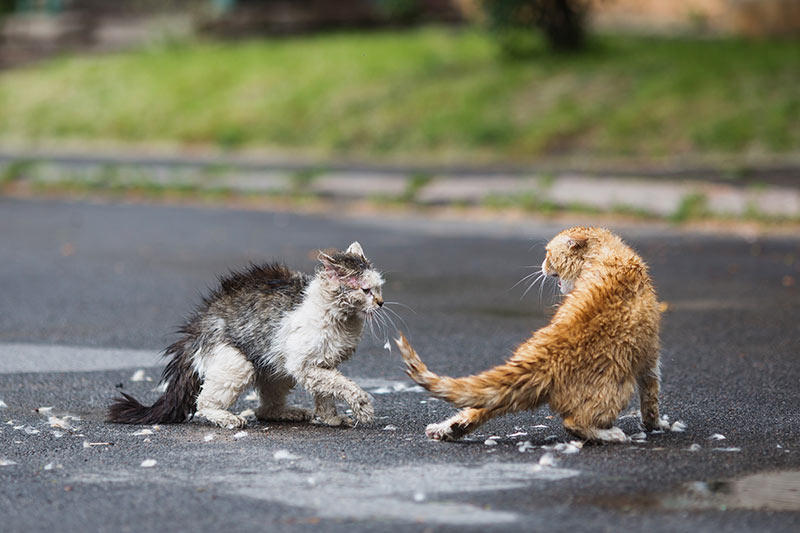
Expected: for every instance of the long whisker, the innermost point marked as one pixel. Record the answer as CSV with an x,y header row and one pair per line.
x,y
381,325
379,328
542,281
369,325
540,278
525,278
387,320
402,305
400,318
534,245
394,325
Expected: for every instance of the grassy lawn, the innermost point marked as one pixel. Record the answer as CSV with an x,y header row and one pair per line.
x,y
436,94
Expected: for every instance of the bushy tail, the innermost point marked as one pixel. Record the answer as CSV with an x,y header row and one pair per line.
x,y
176,405
513,386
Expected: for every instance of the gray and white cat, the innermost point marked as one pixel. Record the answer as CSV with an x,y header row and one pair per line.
x,y
270,328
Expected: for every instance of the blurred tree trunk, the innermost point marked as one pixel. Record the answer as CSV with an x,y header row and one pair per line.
x,y
561,21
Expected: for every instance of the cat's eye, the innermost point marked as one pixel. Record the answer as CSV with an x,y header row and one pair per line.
x,y
366,290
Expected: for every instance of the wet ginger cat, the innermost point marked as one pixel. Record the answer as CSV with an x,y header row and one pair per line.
x,y
601,343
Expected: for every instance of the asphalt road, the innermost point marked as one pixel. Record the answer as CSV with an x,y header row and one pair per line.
x,y
91,293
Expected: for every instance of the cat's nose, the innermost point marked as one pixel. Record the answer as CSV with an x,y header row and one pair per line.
x,y
379,301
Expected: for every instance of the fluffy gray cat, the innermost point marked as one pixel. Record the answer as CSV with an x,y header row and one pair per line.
x,y
271,328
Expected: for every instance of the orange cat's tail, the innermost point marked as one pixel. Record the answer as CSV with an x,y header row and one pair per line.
x,y
509,387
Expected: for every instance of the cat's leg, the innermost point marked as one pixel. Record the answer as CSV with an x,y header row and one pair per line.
x,y
272,390
593,433
330,382
592,417
455,427
227,374
649,383
325,411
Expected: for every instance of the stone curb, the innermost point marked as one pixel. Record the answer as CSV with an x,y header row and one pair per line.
x,y
660,197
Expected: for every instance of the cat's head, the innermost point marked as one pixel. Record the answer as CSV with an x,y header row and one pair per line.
x,y
351,276
565,256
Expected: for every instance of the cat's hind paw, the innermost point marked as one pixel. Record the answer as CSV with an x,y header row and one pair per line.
x,y
656,423
285,414
333,421
613,434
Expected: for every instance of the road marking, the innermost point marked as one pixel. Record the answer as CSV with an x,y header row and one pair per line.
x,y
18,357
421,493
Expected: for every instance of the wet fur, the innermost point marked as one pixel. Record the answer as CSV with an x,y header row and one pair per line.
x,y
270,328
586,363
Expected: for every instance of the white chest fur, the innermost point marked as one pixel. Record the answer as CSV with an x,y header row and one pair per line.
x,y
315,334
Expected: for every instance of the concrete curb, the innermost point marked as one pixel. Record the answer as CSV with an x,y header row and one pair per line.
x,y
648,196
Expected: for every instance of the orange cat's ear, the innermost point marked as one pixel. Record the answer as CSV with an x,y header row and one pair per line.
x,y
576,243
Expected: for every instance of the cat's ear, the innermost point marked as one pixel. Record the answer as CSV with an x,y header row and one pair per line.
x,y
333,269
576,243
356,249
329,263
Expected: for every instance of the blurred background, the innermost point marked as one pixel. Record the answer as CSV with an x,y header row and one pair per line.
x,y
699,89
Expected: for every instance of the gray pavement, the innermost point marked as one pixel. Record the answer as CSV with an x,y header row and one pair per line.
x,y
91,293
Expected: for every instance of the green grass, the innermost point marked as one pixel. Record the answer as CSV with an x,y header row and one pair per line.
x,y
432,94
414,184
692,206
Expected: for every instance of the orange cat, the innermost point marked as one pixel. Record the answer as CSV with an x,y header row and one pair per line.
x,y
586,363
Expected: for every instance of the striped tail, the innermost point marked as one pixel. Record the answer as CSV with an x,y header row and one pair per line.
x,y
176,405
513,386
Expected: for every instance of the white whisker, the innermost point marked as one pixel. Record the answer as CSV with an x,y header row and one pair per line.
x,y
371,328
525,278
400,318
540,278
381,325
402,305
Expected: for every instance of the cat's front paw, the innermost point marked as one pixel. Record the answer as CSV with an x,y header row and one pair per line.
x,y
442,431
362,408
223,419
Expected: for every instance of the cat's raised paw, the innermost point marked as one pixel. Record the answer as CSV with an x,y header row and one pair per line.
x,y
363,409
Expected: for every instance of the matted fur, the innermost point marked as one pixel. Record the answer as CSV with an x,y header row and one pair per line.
x,y
586,363
271,328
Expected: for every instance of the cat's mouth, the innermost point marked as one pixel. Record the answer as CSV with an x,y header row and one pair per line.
x,y
565,286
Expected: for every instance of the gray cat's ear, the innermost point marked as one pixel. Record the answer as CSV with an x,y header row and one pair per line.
x,y
326,260
329,265
356,249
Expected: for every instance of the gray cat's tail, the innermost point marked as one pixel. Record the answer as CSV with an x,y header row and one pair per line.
x,y
176,405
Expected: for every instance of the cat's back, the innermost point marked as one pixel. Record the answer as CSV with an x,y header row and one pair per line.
x,y
613,303
258,288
